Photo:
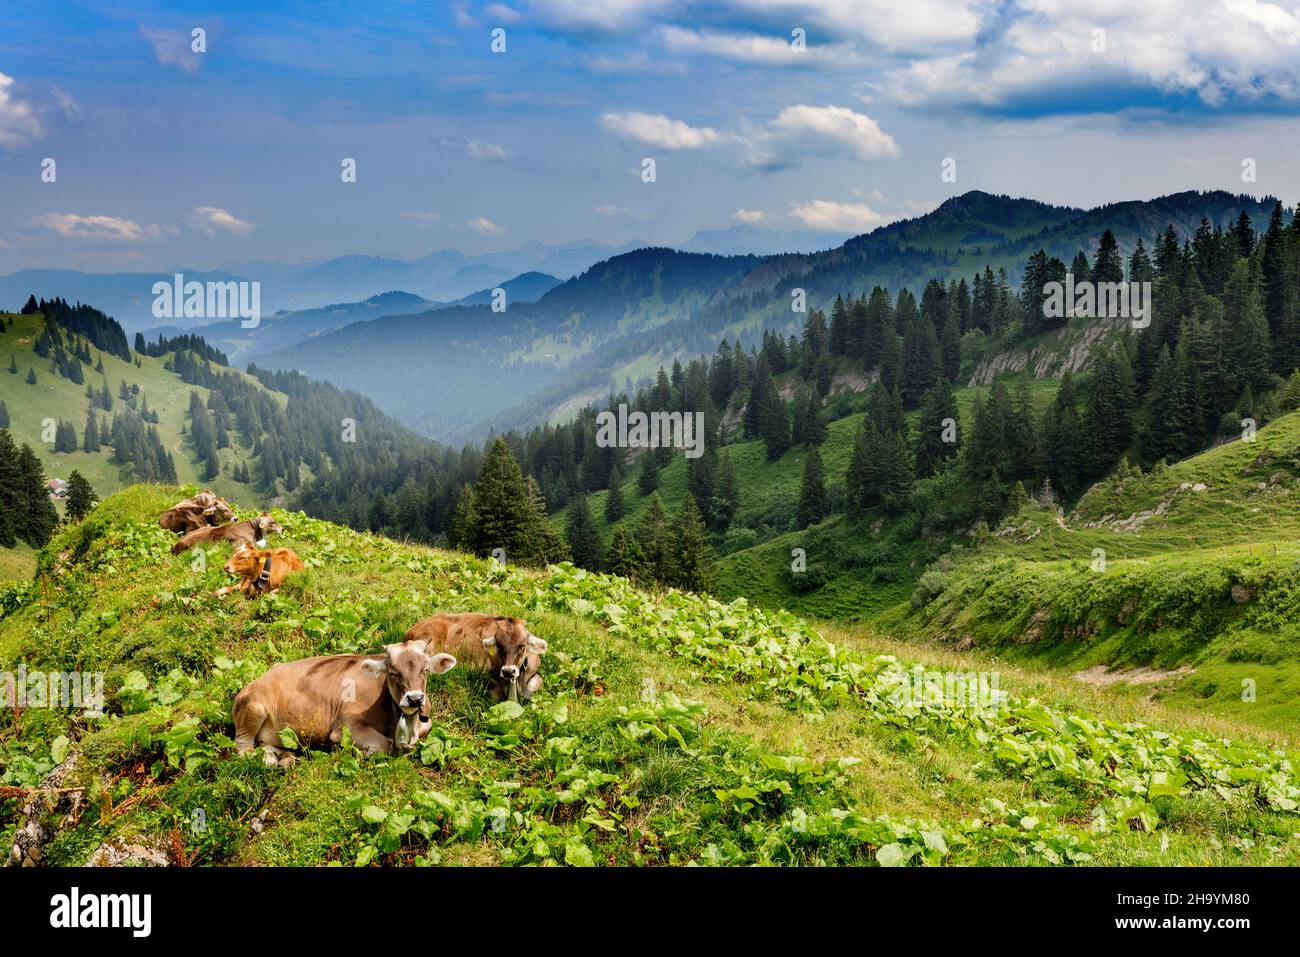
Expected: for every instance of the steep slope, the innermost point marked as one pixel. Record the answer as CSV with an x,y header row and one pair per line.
x,y
671,730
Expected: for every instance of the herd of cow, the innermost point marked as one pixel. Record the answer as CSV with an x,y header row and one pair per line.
x,y
380,700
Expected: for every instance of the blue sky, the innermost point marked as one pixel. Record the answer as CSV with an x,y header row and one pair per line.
x,y
165,156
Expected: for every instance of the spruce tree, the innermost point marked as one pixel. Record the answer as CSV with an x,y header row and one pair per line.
x,y
35,517
653,540
624,556
813,502
614,506
81,497
584,538
693,564
726,497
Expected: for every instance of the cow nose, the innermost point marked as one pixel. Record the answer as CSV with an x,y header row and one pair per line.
x,y
509,671
415,697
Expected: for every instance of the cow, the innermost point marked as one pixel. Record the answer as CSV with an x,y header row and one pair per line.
x,y
503,647
200,511
253,531
380,699
260,572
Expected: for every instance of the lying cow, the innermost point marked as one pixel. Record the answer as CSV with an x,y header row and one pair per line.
x,y
200,511
379,699
260,572
504,647
253,531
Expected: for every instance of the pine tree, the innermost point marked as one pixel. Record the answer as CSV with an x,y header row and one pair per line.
x,y
726,497
91,441
1108,266
648,480
932,449
813,502
614,506
4,415
31,377
653,540
462,518
81,497
694,564
584,538
35,516
624,556
11,491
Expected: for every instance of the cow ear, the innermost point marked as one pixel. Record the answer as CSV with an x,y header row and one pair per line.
x,y
537,644
375,666
490,641
442,662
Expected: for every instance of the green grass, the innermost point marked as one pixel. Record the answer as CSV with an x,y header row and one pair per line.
x,y
788,757
54,397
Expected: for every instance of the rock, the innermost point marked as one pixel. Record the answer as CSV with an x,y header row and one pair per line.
x,y
1242,593
28,848
118,852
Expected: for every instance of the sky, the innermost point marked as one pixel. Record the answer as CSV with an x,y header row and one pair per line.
x,y
837,115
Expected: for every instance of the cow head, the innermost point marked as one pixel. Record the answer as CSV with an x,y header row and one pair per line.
x,y
218,512
405,667
244,561
264,525
516,655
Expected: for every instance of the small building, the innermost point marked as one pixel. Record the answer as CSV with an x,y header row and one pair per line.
x,y
58,488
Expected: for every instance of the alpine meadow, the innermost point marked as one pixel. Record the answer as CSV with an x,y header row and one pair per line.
x,y
540,436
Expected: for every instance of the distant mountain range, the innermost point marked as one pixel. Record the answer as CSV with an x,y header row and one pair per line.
x,y
446,276
436,356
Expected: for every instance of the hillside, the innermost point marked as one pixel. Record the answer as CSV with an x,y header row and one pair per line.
x,y
271,434
672,730
624,317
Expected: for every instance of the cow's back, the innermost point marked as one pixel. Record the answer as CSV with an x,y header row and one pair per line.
x,y
313,696
458,635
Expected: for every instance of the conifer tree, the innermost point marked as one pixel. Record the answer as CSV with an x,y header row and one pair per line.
x,y
81,497
614,506
583,537
813,503
693,564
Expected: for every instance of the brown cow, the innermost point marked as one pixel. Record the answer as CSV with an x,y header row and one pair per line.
x,y
260,572
504,647
200,511
253,531
377,698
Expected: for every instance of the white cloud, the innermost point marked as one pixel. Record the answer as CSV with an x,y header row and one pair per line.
x,y
655,129
212,220
745,47
482,150
422,219
861,135
484,226
751,216
173,47
606,16
500,13
75,226
838,217
1050,57
18,122
634,61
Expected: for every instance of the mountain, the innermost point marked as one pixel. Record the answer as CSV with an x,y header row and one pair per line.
x,y
449,372
442,276
287,328
269,433
526,287
603,343
747,240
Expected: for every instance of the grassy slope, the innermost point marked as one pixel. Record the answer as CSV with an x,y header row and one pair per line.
x,y
55,397
589,769
1166,596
